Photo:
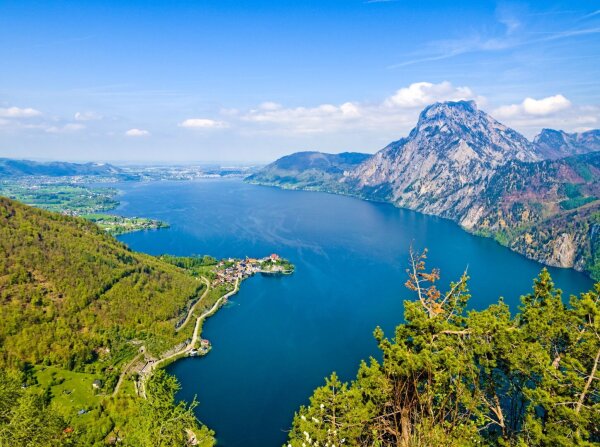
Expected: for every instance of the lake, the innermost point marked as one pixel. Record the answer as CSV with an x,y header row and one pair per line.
x,y
279,337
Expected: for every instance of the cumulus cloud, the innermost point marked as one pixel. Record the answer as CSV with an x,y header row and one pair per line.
x,y
306,119
87,116
555,112
534,107
17,112
420,94
395,112
137,133
546,106
202,123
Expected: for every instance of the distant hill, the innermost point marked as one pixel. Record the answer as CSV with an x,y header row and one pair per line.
x,y
19,168
553,144
305,170
539,198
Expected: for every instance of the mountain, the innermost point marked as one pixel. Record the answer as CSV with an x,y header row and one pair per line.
x,y
19,168
305,170
445,161
553,144
460,163
549,211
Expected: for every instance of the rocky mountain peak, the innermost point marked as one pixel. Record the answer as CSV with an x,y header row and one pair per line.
x,y
445,161
444,125
448,110
553,144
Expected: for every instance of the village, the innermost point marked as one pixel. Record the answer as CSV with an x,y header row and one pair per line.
x,y
231,270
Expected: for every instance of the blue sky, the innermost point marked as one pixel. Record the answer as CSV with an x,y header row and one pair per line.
x,y
221,80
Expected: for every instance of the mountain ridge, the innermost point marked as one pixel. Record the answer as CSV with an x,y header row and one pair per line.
x,y
553,144
460,163
19,168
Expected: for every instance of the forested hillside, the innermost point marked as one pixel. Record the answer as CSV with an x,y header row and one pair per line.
x,y
69,292
480,378
76,305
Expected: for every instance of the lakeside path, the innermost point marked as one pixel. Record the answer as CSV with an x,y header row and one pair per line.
x,y
199,321
193,308
142,353
125,371
151,364
190,345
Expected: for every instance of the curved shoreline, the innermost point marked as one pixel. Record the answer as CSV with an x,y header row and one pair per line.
x,y
388,202
152,364
193,308
164,361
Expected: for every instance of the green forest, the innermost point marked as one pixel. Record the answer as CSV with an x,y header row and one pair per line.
x,y
75,306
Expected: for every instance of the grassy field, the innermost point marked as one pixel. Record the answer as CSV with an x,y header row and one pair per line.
x,y
116,225
61,198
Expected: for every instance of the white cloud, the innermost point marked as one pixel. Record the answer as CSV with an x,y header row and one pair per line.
x,y
87,116
420,94
305,119
269,105
396,112
17,112
554,112
137,133
70,127
203,123
546,106
534,107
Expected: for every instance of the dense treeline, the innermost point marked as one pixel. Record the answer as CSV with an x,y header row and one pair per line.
x,y
69,293
456,378
75,306
26,418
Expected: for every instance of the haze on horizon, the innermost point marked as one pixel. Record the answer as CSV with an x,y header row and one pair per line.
x,y
223,80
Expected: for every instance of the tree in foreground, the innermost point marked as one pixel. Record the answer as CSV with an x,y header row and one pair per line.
x,y
455,378
26,418
163,422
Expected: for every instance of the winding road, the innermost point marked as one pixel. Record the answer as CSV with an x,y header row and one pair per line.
x,y
187,348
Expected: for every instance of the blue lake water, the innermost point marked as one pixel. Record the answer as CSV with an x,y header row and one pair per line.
x,y
280,336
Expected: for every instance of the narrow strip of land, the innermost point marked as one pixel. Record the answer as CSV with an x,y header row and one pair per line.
x,y
126,370
187,348
199,320
193,308
128,367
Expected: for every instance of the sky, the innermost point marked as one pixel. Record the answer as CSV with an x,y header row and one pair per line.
x,y
250,81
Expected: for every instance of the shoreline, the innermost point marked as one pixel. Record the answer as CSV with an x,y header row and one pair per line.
x,y
386,202
167,358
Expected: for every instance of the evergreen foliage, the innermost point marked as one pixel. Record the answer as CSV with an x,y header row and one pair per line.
x,y
456,378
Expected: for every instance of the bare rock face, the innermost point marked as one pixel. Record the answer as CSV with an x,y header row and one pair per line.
x,y
445,162
564,250
553,144
541,198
